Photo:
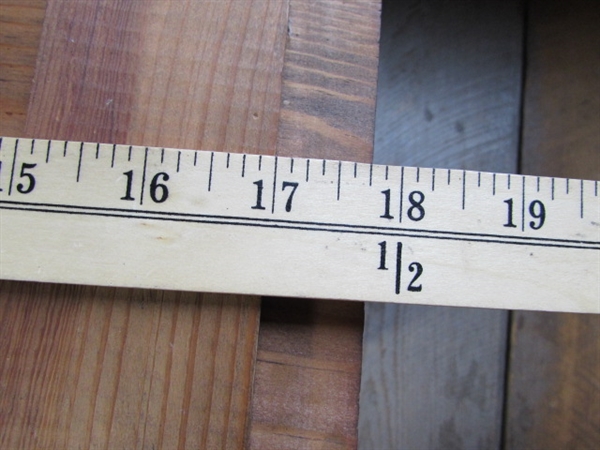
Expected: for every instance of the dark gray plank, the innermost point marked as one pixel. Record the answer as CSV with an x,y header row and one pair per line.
x,y
449,96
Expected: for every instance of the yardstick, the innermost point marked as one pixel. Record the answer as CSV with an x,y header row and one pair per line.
x,y
132,216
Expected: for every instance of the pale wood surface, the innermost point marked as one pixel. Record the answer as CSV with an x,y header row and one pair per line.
x,y
203,206
309,352
449,96
126,368
553,397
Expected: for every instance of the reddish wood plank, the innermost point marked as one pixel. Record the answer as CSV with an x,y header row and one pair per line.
x,y
20,31
130,368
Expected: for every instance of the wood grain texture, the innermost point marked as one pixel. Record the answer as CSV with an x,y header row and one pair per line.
x,y
115,368
330,80
554,383
309,353
449,96
307,375
449,80
20,31
97,367
561,134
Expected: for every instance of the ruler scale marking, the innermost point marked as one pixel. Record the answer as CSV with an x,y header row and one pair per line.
x,y
401,193
80,160
112,161
210,169
464,188
398,268
12,171
581,200
339,180
274,185
307,169
522,203
144,175
316,244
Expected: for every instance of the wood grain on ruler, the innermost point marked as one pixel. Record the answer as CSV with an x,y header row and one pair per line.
x,y
554,382
20,30
449,95
309,354
119,368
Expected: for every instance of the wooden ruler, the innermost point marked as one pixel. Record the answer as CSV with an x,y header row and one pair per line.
x,y
117,215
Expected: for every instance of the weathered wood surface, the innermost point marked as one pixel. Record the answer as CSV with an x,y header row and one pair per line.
x,y
309,352
330,80
20,31
122,368
553,399
449,96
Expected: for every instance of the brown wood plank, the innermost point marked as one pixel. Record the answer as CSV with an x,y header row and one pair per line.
x,y
554,383
20,31
120,368
449,96
309,353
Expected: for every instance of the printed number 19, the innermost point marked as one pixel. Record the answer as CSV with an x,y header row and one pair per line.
x,y
536,211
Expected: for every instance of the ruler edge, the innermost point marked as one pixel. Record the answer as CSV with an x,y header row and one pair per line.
x,y
369,166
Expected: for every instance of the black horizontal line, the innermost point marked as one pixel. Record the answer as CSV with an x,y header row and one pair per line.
x,y
303,226
134,213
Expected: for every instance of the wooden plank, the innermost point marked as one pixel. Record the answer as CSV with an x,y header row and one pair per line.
x,y
561,136
554,394
329,80
309,353
128,368
449,96
20,31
